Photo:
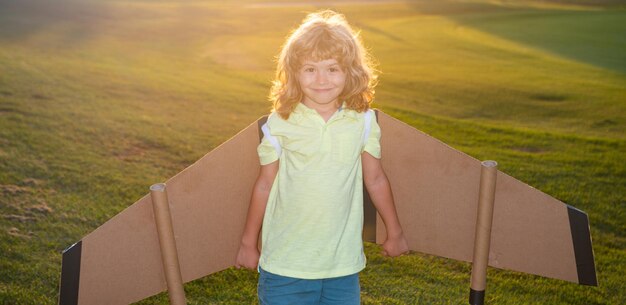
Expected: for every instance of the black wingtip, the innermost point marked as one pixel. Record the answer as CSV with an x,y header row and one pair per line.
x,y
70,275
583,251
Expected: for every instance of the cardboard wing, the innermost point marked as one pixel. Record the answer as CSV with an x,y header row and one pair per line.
x,y
435,188
436,192
120,261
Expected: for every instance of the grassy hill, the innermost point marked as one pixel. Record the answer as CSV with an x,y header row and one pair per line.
x,y
100,99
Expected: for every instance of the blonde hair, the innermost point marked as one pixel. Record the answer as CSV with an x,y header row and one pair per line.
x,y
323,35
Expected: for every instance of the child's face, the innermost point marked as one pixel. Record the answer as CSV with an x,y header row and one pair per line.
x,y
321,82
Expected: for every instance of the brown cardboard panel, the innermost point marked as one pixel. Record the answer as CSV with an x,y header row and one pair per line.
x,y
531,232
436,192
209,202
121,260
435,189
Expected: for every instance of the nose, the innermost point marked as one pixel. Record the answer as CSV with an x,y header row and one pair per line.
x,y
321,78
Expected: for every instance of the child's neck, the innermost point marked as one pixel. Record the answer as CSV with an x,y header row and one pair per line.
x,y
326,111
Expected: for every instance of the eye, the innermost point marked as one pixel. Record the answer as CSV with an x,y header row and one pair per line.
x,y
334,69
309,69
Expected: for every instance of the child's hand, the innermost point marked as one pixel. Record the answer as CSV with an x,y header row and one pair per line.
x,y
247,257
395,246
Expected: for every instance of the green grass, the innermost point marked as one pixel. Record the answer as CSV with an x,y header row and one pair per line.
x,y
100,99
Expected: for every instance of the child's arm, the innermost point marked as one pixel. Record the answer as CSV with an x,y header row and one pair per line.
x,y
248,255
380,192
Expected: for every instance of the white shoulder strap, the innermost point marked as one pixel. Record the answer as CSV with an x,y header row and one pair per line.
x,y
368,125
271,138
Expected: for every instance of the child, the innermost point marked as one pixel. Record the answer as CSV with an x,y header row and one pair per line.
x,y
320,144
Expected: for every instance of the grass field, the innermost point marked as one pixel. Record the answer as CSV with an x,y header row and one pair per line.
x,y
100,99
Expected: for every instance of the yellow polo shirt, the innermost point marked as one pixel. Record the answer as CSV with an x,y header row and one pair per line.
x,y
313,221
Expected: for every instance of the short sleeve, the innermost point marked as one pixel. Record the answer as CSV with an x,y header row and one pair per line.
x,y
372,143
269,148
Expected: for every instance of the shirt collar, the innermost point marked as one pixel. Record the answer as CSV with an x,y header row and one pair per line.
x,y
343,112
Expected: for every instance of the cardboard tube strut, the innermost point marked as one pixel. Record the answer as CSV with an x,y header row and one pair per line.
x,y
482,237
169,254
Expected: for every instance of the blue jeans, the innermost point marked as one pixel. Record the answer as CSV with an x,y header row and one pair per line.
x,y
281,290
